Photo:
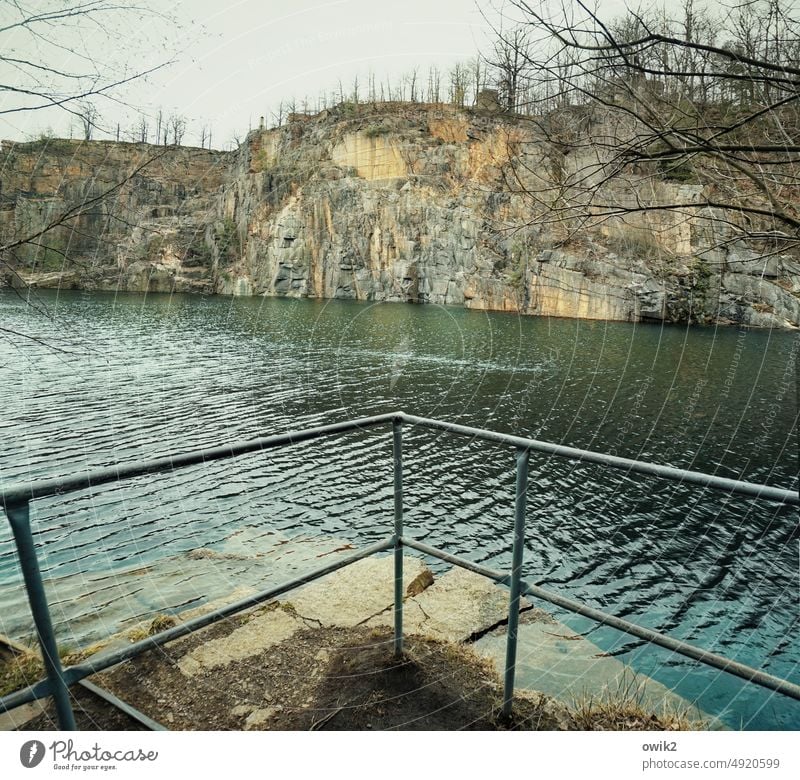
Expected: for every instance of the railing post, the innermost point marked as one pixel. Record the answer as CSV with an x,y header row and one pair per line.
x,y
19,518
397,451
520,504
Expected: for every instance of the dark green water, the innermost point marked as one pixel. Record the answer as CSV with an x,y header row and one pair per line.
x,y
143,376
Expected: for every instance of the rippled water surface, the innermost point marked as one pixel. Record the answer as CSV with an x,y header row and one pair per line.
x,y
112,379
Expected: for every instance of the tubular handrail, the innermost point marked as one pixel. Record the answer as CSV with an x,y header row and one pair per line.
x,y
15,501
767,492
19,494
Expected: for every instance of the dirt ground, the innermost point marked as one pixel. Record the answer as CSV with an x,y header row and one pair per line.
x,y
331,679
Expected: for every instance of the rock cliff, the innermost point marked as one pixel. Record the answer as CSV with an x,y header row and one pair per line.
x,y
137,214
396,202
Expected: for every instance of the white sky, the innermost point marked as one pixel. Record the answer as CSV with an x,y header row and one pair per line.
x,y
235,61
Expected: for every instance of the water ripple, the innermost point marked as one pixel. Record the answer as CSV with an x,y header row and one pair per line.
x,y
160,374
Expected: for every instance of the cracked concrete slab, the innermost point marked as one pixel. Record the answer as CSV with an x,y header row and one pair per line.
x,y
354,595
458,606
344,599
261,632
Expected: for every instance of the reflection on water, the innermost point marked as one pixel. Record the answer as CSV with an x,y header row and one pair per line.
x,y
137,376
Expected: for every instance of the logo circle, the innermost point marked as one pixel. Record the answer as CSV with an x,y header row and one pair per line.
x,y
31,753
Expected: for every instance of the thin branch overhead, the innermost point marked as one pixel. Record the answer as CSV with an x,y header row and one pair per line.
x,y
97,35
705,99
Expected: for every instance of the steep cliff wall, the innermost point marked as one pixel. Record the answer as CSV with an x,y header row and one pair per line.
x,y
140,219
401,203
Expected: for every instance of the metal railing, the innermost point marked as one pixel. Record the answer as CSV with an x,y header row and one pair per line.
x,y
15,501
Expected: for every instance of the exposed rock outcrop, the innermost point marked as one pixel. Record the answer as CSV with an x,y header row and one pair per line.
x,y
400,203
140,214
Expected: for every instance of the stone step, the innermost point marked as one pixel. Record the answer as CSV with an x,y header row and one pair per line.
x,y
457,606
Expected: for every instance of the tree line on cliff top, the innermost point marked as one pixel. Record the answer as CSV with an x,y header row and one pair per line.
x,y
693,95
708,98
689,94
697,95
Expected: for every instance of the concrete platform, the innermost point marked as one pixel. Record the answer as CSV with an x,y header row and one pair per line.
x,y
457,606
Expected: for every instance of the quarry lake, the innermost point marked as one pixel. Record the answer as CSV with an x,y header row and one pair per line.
x,y
115,378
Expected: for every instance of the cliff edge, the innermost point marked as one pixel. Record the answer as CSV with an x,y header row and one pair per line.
x,y
389,202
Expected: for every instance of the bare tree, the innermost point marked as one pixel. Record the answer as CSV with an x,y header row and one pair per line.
x,y
160,124
87,112
434,84
459,81
510,61
89,35
478,71
177,124
710,101
141,129
412,84
277,116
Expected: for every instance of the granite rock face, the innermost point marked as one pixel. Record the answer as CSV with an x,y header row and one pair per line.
x,y
397,203
140,214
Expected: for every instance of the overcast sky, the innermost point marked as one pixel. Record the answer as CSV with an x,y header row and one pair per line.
x,y
235,62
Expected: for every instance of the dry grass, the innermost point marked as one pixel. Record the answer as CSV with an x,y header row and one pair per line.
x,y
19,671
628,710
158,624
622,715
637,242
